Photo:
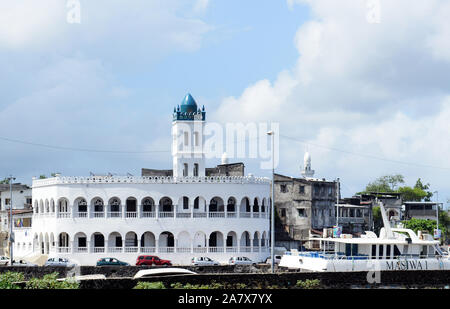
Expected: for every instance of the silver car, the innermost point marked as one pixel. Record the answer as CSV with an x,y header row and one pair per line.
x,y
59,262
4,260
203,261
240,260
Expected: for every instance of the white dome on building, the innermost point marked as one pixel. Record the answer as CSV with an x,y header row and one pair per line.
x,y
224,158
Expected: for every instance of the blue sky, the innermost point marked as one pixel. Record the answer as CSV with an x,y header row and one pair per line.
x,y
365,98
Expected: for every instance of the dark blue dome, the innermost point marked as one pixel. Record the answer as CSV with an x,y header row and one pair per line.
x,y
188,105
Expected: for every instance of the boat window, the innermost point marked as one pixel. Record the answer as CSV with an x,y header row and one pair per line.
x,y
380,252
396,251
374,251
388,251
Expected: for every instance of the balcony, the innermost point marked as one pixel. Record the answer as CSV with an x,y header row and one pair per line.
x,y
217,214
114,214
131,214
183,214
148,214
165,214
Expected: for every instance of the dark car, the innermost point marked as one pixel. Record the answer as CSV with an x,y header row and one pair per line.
x,y
151,260
111,262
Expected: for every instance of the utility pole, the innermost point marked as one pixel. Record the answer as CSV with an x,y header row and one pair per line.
x,y
337,202
272,221
11,238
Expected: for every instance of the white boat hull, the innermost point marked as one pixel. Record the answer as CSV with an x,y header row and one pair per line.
x,y
343,265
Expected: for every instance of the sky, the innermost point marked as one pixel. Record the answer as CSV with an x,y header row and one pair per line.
x,y
362,85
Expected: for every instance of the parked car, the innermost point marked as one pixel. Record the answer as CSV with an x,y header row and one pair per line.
x,y
4,260
151,260
59,262
22,263
111,262
277,259
240,260
203,261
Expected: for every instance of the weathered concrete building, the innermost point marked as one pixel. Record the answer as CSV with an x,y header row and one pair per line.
x,y
305,206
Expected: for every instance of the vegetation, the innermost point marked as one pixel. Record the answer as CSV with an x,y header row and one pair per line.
x,y
391,184
10,280
308,284
149,286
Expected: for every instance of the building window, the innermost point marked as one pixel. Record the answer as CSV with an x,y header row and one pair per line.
x,y
196,169
283,188
283,212
185,169
301,189
196,142
185,202
186,138
301,212
7,201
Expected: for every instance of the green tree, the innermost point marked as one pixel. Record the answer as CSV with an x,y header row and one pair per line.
x,y
387,183
5,181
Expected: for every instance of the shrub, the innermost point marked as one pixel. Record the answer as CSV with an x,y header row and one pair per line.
x,y
8,279
50,282
308,284
149,285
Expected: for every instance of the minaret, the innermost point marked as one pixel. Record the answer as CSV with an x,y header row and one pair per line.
x,y
307,172
188,139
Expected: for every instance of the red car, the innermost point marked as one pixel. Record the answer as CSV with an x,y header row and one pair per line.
x,y
151,260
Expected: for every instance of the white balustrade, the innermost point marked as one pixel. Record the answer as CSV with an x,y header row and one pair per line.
x,y
217,215
131,214
147,249
148,214
165,214
115,249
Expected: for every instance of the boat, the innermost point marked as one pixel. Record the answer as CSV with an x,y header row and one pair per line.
x,y
156,272
395,249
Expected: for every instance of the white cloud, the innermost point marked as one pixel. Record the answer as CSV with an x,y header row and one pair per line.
x,y
364,88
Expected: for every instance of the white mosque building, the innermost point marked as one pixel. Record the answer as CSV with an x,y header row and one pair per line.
x,y
175,214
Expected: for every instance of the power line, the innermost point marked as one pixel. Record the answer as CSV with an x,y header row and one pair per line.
x,y
363,155
78,149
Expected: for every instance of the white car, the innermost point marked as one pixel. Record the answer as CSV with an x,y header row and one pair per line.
x,y
240,260
4,260
203,261
277,259
59,262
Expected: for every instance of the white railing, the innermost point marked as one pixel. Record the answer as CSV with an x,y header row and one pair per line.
x,y
115,249
131,249
200,249
98,214
255,249
217,215
98,249
244,215
231,249
231,215
255,215
131,214
63,249
114,214
215,249
183,214
245,249
81,250
81,214
64,215
148,214
263,215
165,214
183,250
147,249
200,214
148,179
166,249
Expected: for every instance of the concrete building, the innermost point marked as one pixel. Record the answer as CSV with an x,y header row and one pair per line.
x,y
177,214
420,210
21,203
305,206
354,215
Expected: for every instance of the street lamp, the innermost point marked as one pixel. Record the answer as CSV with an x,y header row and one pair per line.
x,y
272,221
437,210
